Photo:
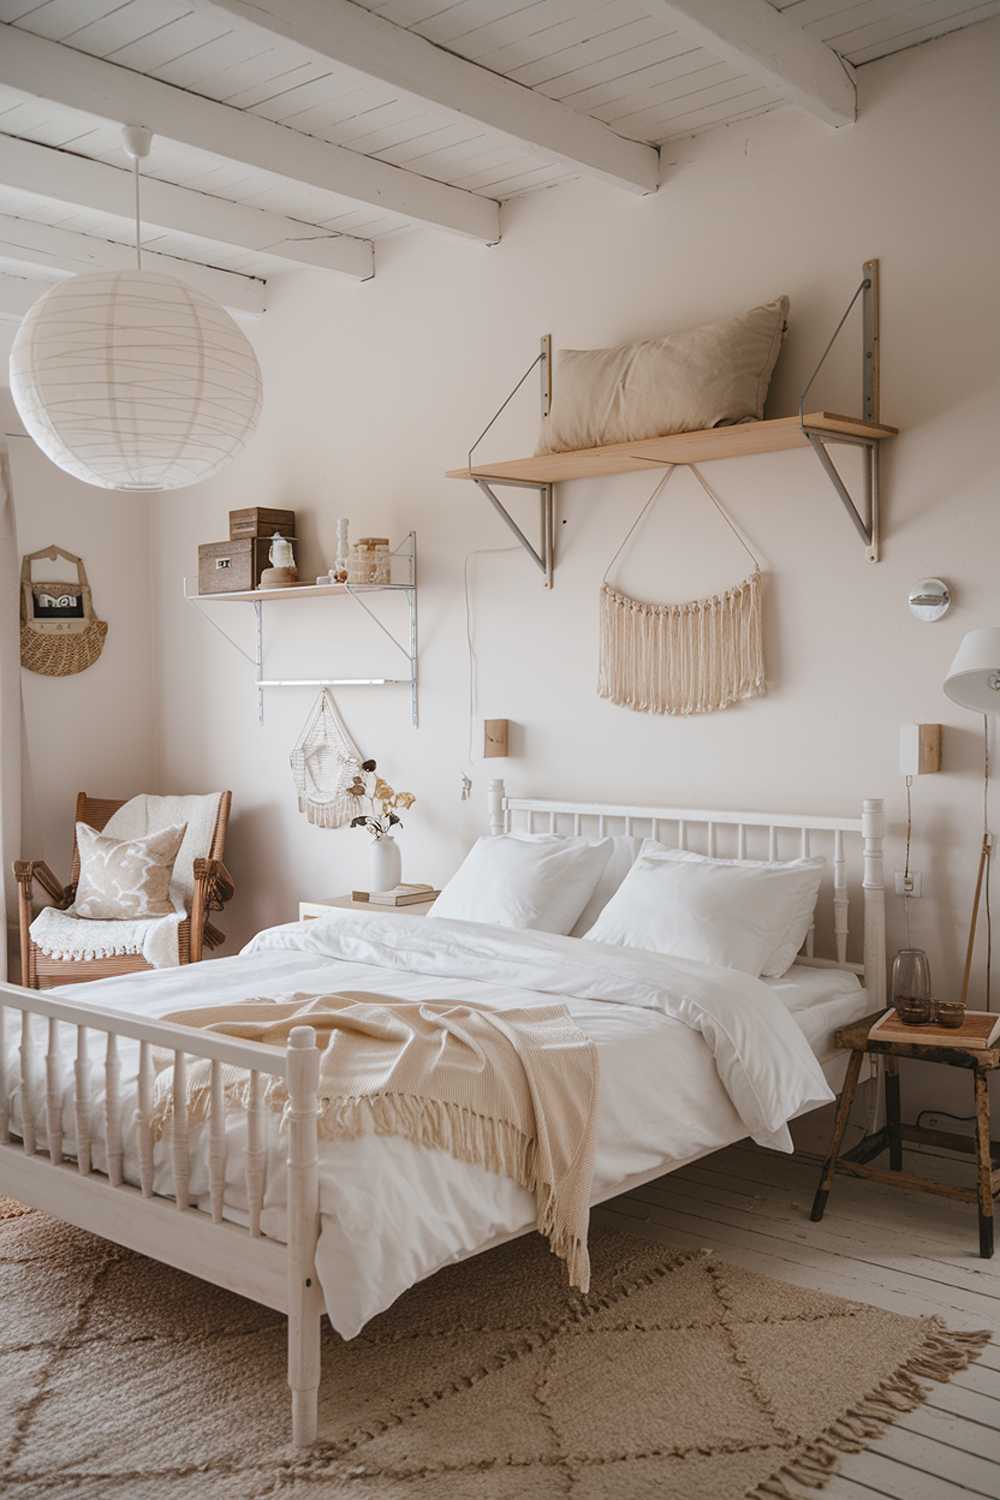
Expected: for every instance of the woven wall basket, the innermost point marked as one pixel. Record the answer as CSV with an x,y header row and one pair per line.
x,y
60,634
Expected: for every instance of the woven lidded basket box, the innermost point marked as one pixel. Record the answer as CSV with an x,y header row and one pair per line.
x,y
257,520
233,566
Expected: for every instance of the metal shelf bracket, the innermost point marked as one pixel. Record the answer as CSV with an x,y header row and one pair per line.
x,y
866,520
542,556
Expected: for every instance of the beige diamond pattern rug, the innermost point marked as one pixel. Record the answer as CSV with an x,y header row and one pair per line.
x,y
678,1378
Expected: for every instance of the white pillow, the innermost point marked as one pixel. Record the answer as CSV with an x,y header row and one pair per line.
x,y
524,880
625,849
741,914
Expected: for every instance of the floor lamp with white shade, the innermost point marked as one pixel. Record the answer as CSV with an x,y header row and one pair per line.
x,y
973,682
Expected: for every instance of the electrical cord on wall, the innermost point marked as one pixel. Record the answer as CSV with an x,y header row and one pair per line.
x,y
471,640
906,868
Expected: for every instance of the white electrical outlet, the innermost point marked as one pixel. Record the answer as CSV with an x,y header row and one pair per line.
x,y
946,1122
915,886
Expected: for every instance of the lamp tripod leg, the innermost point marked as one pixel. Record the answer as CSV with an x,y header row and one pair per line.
x,y
984,855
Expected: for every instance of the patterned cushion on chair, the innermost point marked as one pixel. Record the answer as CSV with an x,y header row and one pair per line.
x,y
126,879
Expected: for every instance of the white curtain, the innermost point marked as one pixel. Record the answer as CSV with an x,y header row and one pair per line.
x,y
10,704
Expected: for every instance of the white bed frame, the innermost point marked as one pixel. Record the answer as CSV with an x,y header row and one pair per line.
x,y
242,1259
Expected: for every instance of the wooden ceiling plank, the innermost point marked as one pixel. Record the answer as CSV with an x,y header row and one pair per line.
x,y
376,47
67,250
48,70
755,37
81,181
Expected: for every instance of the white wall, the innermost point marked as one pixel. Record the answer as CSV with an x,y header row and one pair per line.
x,y
95,731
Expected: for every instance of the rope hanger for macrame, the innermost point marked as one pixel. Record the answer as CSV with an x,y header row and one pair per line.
x,y
661,485
689,658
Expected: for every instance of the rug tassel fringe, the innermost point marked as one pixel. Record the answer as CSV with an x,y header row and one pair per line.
x,y
942,1355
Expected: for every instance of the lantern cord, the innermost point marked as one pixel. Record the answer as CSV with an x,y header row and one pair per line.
x,y
138,240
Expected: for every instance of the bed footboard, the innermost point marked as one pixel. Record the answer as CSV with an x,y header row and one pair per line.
x,y
55,1053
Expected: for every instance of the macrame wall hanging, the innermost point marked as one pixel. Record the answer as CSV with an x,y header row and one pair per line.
x,y
325,762
692,658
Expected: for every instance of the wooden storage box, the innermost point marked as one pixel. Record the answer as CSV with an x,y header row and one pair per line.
x,y
233,566
256,520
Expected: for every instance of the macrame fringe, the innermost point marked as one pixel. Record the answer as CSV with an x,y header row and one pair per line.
x,y
942,1355
334,814
496,1145
691,658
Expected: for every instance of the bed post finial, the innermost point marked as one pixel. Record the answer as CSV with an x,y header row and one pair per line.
x,y
498,817
305,1301
873,833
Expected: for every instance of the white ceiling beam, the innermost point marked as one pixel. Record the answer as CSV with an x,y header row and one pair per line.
x,y
768,44
354,37
37,244
77,180
48,70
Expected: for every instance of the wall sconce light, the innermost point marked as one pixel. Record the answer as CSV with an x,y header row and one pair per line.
x,y
919,749
496,738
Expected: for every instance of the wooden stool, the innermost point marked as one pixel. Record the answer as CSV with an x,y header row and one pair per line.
x,y
855,1163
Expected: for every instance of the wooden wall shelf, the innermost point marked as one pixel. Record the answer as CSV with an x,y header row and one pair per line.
x,y
808,429
739,441
406,552
297,591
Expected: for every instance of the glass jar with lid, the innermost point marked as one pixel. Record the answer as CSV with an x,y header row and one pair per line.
x,y
911,987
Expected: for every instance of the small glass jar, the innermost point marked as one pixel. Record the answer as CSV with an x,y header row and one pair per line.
x,y
911,987
950,1013
370,561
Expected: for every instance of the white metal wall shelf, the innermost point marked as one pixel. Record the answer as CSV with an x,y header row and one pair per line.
x,y
406,556
815,429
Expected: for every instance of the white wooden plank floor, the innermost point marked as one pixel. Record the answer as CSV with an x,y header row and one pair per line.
x,y
908,1252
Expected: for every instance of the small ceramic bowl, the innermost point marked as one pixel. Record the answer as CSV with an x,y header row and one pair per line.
x,y
913,1010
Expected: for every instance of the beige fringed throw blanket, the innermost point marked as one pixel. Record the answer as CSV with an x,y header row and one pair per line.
x,y
512,1091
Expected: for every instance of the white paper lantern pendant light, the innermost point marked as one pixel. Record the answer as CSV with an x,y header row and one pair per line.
x,y
132,380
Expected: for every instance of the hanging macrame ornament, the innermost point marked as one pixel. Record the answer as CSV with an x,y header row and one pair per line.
x,y
325,763
60,634
693,658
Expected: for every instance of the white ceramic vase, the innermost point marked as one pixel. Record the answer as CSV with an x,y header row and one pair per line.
x,y
386,865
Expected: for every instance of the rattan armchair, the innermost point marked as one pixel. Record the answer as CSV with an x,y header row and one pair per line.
x,y
213,887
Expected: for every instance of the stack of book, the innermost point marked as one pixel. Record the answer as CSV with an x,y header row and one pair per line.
x,y
400,895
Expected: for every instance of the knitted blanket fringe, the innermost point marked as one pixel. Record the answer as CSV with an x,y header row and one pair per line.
x,y
693,658
496,1145
943,1354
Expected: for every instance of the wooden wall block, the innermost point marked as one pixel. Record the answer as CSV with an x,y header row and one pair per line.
x,y
919,749
496,737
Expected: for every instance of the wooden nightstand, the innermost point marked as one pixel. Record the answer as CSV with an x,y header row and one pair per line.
x,y
309,910
855,1163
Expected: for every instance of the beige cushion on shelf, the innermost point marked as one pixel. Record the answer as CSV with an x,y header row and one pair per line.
x,y
122,879
705,377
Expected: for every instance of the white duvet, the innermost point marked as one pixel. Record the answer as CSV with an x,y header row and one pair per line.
x,y
692,1057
